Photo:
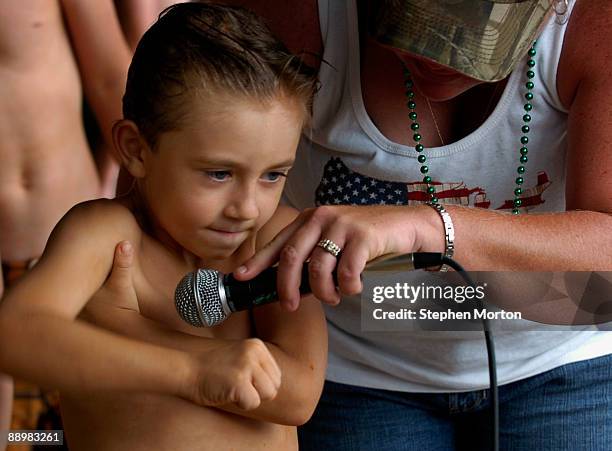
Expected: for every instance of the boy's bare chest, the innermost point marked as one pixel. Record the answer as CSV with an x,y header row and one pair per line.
x,y
155,280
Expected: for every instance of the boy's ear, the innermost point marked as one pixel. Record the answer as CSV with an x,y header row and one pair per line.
x,y
130,146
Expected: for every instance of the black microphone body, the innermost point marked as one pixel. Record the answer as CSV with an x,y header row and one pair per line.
x,y
242,295
207,297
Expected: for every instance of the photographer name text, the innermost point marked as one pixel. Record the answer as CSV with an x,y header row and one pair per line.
x,y
444,315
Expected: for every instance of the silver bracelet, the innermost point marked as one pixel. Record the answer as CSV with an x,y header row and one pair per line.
x,y
449,232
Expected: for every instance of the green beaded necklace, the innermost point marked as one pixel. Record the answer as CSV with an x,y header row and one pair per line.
x,y
528,107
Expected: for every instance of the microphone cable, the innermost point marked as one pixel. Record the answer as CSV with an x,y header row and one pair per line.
x,y
423,260
488,334
204,298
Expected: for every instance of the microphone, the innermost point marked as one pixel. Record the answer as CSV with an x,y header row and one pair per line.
x,y
206,297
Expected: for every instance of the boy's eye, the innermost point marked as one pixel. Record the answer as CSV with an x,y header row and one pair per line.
x,y
273,176
218,175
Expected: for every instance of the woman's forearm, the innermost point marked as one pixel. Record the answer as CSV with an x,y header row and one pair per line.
x,y
569,241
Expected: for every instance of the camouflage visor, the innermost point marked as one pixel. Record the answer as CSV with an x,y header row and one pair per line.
x,y
483,39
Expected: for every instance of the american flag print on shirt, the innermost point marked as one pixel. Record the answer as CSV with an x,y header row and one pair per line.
x,y
341,186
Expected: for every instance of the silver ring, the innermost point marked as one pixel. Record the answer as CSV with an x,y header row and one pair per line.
x,y
329,246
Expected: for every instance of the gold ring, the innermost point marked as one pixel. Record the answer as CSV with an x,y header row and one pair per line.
x,y
329,246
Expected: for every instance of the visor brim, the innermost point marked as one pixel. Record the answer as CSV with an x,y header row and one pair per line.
x,y
481,39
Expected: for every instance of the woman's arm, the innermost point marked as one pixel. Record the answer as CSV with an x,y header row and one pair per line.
x,y
576,240
580,239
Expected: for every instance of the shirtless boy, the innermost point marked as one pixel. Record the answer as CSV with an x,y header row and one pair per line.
x,y
213,110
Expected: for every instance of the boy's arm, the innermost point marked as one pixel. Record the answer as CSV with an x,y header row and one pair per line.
x,y
43,343
103,58
298,342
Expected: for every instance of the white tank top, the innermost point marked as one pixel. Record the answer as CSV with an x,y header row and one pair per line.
x,y
345,159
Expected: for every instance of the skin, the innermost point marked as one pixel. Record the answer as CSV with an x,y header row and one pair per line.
x,y
137,16
484,240
202,198
6,401
48,168
50,55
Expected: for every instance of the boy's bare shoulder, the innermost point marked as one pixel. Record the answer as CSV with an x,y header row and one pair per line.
x,y
99,219
105,212
283,216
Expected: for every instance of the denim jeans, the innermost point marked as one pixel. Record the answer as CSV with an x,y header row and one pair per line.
x,y
567,408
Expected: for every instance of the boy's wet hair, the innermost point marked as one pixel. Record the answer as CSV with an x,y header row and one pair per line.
x,y
199,47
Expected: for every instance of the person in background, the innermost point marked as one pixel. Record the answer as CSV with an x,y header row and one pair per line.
x,y
136,16
444,125
51,53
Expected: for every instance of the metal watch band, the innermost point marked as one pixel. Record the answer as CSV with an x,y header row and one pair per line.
x,y
449,232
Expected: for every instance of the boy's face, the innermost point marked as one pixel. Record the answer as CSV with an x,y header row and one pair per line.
x,y
213,183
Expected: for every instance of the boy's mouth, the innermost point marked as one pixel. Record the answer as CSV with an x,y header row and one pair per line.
x,y
229,231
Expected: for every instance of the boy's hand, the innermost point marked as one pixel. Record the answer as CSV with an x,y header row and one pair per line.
x,y
243,373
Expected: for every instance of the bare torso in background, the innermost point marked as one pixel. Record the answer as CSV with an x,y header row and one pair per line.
x,y
45,162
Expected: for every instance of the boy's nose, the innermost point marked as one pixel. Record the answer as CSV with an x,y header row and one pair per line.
x,y
244,205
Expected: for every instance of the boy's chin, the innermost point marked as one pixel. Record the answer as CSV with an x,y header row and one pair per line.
x,y
217,254
220,250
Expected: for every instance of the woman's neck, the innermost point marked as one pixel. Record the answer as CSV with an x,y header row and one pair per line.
x,y
442,122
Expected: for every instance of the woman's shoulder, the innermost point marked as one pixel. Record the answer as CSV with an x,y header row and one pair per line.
x,y
587,48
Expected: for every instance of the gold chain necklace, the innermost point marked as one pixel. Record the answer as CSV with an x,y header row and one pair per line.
x,y
484,116
433,116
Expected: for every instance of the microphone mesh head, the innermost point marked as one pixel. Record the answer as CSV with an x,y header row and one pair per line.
x,y
198,300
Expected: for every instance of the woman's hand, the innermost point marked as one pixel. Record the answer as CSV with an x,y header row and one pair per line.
x,y
363,233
